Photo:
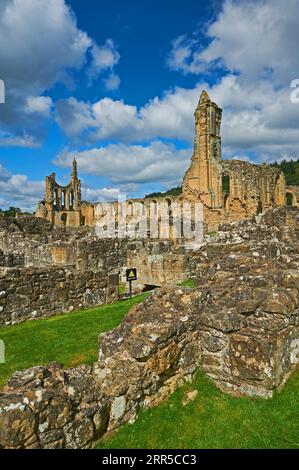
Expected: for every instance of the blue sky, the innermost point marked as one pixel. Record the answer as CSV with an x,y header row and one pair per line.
x,y
115,84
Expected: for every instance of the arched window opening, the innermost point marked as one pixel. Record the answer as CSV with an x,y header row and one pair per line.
x,y
289,197
71,199
154,205
225,184
64,219
63,199
225,191
55,198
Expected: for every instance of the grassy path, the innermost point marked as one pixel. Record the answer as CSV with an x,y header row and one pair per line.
x,y
71,338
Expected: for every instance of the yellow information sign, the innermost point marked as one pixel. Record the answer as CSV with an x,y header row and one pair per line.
x,y
131,274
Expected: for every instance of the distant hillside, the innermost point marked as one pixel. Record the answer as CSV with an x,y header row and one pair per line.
x,y
171,192
291,171
13,211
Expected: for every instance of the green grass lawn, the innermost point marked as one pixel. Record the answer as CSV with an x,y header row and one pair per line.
x,y
215,420
71,338
212,420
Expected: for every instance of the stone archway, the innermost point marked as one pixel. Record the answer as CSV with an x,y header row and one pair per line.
x,y
226,191
63,218
291,199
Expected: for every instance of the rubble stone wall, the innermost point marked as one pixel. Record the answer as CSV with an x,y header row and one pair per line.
x,y
31,293
158,262
46,270
159,345
240,325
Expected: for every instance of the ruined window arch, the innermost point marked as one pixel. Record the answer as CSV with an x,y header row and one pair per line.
x,y
169,204
259,209
63,199
225,191
64,218
55,198
130,208
290,198
142,208
154,205
71,199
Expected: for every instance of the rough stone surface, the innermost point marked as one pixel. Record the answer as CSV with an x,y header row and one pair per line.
x,y
46,269
240,325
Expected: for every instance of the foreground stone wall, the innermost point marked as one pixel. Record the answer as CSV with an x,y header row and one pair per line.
x,y
159,345
36,243
240,325
46,270
31,293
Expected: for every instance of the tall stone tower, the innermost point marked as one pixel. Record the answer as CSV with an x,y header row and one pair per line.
x,y
202,181
62,204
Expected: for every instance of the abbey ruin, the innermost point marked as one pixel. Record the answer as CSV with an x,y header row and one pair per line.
x,y
230,190
239,324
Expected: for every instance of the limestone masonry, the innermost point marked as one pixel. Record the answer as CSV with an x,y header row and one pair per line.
x,y
240,325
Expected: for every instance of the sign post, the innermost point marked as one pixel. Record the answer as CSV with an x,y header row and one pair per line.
x,y
131,275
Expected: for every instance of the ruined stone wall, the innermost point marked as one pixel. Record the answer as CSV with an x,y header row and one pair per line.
x,y
31,293
252,188
41,244
293,191
240,325
62,204
46,270
159,262
160,344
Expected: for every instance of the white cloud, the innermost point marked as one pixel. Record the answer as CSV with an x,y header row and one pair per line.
x,y
169,117
39,41
17,190
101,195
73,116
112,82
39,104
24,140
125,164
105,56
114,119
257,116
40,45
255,39
183,55
104,59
